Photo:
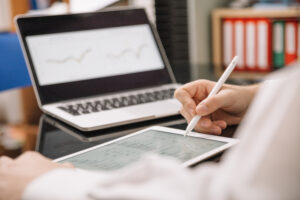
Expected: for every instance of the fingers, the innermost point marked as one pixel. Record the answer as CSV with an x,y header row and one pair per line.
x,y
222,124
68,165
190,94
205,122
28,155
188,116
214,103
196,89
206,125
188,104
32,157
5,161
228,117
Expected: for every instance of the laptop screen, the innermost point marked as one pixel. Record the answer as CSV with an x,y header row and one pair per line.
x,y
81,55
90,54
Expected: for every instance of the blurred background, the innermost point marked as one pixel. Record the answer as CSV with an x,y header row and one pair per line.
x,y
199,36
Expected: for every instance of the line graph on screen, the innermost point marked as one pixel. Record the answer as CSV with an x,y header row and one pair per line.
x,y
136,53
78,59
90,54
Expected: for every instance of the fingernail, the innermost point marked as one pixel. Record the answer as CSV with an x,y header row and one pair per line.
x,y
202,108
216,130
224,126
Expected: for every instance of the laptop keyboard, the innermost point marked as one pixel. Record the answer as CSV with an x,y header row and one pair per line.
x,y
117,102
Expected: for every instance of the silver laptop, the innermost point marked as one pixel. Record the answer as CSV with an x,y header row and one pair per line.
x,y
98,70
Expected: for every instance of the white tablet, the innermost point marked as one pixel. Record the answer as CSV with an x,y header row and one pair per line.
x,y
158,140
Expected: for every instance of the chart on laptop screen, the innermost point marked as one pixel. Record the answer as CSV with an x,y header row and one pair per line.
x,y
88,54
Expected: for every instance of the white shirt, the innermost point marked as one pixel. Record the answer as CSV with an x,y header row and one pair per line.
x,y
265,165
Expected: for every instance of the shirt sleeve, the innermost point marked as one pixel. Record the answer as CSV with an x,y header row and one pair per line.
x,y
265,165
62,184
151,178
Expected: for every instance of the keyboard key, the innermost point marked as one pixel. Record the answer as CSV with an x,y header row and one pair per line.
x,y
69,110
116,103
124,101
133,100
108,104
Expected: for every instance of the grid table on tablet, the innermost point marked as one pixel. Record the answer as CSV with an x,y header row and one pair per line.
x,y
123,152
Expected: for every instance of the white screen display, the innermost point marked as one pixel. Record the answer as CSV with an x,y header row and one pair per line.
x,y
89,54
124,152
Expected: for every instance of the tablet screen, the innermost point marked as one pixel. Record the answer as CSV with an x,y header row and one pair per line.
x,y
123,152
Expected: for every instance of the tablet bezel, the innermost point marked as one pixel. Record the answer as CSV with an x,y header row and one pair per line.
x,y
229,143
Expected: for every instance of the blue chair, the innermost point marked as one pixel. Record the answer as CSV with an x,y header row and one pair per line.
x,y
13,71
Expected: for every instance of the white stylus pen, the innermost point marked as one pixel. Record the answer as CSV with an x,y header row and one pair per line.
x,y
214,91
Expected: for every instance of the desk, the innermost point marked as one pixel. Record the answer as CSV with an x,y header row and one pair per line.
x,y
56,139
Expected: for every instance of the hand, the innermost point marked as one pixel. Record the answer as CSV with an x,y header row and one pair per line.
x,y
227,107
16,174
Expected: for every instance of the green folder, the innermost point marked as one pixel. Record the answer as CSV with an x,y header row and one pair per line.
x,y
278,44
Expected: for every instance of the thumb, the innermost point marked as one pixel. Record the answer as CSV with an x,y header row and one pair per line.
x,y
213,103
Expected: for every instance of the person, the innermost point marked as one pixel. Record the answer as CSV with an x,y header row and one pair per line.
x,y
264,165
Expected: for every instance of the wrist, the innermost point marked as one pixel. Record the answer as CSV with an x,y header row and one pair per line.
x,y
249,93
253,90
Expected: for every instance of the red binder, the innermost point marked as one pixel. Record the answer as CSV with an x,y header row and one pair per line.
x,y
227,41
264,38
239,42
291,41
250,44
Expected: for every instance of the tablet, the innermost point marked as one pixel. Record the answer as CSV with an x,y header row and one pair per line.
x,y
159,140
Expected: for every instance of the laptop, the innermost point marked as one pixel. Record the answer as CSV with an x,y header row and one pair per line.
x,y
98,70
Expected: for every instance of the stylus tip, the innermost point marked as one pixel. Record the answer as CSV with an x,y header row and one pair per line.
x,y
186,132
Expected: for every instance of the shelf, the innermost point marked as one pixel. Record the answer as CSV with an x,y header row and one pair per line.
x,y
248,12
217,16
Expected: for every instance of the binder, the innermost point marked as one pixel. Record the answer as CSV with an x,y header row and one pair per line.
x,y
290,41
278,44
227,28
250,45
239,43
298,43
18,7
5,15
263,45
33,4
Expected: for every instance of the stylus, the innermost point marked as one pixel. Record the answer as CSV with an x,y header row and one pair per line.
x,y
214,91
